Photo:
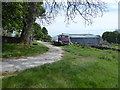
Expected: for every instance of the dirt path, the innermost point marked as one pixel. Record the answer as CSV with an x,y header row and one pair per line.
x,y
54,54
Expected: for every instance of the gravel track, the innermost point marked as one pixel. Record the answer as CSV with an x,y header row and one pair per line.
x,y
12,65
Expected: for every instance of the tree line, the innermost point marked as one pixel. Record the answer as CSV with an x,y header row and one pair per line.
x,y
111,37
40,33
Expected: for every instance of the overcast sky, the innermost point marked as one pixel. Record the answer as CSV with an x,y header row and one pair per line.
x,y
109,22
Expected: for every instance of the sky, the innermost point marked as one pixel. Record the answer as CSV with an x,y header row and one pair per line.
x,y
108,22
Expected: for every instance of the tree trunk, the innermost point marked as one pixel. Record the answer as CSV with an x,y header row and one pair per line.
x,y
26,32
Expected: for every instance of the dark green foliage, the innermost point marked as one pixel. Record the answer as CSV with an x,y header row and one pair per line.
x,y
118,38
80,68
111,37
48,37
13,16
37,32
44,30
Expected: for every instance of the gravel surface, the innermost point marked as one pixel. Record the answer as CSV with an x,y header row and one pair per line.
x,y
54,54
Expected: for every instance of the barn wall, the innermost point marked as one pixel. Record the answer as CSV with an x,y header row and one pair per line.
x,y
85,40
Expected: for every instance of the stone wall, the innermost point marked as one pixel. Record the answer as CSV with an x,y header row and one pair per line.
x,y
6,39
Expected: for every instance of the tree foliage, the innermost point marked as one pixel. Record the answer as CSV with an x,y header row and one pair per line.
x,y
48,37
22,15
111,37
44,30
13,16
40,33
36,31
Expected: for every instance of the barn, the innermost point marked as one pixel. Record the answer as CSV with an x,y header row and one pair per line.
x,y
85,38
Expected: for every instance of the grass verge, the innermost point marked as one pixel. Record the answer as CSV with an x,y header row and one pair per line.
x,y
18,50
80,68
115,47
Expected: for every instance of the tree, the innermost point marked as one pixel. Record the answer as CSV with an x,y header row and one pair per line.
x,y
30,18
44,31
111,37
48,37
88,9
119,38
37,32
20,17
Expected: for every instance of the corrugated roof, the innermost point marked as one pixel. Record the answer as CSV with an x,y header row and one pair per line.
x,y
80,35
83,36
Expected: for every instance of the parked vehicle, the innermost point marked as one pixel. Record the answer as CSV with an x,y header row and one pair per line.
x,y
62,39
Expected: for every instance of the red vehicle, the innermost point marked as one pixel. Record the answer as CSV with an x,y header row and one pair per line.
x,y
61,40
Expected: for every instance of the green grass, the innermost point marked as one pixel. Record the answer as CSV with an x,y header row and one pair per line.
x,y
18,50
80,68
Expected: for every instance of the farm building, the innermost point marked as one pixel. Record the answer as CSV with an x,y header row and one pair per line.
x,y
85,38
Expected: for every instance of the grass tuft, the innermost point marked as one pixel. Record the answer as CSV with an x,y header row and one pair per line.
x,y
19,50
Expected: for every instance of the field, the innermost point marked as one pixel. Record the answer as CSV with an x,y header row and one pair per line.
x,y
80,68
18,50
